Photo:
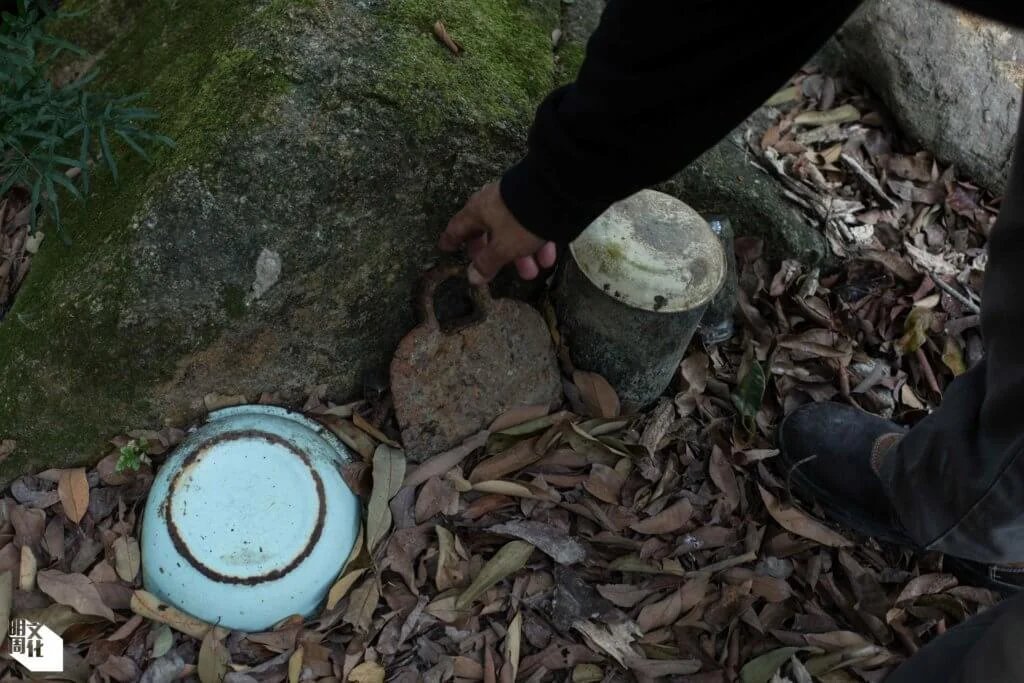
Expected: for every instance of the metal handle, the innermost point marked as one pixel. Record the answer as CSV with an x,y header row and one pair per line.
x,y
434,278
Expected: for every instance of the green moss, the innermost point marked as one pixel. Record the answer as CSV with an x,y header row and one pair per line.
x,y
202,94
232,299
569,60
505,69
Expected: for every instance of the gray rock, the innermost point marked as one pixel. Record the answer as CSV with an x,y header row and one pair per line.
x,y
724,182
951,80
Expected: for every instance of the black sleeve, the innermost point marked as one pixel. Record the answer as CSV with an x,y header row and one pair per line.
x,y
662,82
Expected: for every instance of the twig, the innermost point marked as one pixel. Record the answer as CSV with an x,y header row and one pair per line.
x,y
442,34
869,179
926,370
949,289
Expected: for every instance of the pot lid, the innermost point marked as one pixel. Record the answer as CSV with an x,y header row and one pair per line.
x,y
651,251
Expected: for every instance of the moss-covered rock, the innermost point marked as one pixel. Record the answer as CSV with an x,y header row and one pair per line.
x,y
340,134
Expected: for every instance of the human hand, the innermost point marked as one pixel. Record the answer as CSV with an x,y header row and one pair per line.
x,y
494,238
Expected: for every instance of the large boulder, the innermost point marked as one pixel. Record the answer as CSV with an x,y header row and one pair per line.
x,y
952,81
322,145
339,135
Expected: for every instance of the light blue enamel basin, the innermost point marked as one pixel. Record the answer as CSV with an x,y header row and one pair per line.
x,y
249,521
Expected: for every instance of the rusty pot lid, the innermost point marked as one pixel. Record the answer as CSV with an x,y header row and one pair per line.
x,y
249,520
653,252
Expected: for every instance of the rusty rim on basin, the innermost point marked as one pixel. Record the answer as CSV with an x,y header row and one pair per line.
x,y
189,466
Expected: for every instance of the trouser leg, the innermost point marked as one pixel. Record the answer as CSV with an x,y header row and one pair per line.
x,y
957,479
985,648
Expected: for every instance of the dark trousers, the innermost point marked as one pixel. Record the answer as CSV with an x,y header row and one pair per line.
x,y
957,479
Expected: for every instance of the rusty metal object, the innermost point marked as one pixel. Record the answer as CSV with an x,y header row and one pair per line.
x,y
448,384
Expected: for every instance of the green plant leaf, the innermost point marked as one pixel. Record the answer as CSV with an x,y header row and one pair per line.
x,y
108,158
749,393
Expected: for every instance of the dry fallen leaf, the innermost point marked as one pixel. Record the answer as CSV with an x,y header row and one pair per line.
x,y
74,590
508,560
388,473
598,395
604,483
151,607
27,574
367,672
665,612
213,659
73,489
127,558
295,665
441,33
342,586
792,519
361,605
512,648
669,520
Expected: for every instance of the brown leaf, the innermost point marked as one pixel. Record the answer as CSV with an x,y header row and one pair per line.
x,y
342,586
449,573
437,497
508,560
598,395
669,520
894,263
666,611
403,548
657,426
518,416
771,588
927,584
792,519
467,668
724,477
107,468
442,462
514,459
73,489
350,435
151,607
213,659
29,525
281,640
74,590
388,473
367,672
380,436
120,668
362,603
126,558
604,483
623,595
917,167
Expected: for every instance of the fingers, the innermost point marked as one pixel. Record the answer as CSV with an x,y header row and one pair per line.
x,y
547,255
463,226
527,267
488,262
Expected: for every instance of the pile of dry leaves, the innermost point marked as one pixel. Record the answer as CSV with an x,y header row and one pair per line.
x,y
584,545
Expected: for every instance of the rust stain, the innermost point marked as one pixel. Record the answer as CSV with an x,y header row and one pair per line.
x,y
182,547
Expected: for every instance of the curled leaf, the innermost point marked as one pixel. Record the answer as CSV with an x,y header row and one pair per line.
x,y
388,473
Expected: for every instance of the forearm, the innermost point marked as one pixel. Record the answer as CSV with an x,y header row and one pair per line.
x,y
663,81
